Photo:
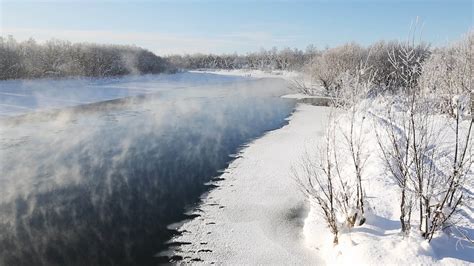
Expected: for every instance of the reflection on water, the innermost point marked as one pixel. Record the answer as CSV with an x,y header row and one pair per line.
x,y
100,187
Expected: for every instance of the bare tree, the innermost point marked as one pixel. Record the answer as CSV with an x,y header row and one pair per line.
x,y
323,178
397,161
317,181
412,155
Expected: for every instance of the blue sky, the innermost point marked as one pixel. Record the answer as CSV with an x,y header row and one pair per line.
x,y
180,26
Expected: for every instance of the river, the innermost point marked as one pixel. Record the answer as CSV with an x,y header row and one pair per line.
x,y
94,171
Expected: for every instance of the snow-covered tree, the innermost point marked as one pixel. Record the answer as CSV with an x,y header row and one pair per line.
x,y
57,58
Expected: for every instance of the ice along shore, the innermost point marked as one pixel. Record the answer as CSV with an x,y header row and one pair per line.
x,y
257,213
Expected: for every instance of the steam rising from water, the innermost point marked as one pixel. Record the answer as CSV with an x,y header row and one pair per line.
x,y
21,96
99,186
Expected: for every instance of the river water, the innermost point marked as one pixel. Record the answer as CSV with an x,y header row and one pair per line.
x,y
88,182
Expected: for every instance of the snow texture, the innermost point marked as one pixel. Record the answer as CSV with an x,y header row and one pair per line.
x,y
379,241
257,212
287,75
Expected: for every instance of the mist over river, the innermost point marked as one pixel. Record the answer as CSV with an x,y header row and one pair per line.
x,y
93,183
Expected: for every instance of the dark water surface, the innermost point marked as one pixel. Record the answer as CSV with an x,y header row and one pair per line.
x,y
99,186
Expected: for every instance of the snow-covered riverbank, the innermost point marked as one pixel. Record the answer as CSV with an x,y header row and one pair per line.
x,y
253,73
256,214
379,240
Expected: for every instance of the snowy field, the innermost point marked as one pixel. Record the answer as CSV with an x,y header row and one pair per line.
x,y
23,96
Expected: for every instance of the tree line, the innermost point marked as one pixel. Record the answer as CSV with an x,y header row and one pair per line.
x,y
56,58
325,68
383,64
330,68
272,59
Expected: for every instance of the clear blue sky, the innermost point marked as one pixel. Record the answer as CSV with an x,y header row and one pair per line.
x,y
226,26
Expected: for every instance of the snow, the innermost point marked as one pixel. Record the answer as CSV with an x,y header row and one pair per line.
x,y
300,96
296,79
287,75
379,241
256,213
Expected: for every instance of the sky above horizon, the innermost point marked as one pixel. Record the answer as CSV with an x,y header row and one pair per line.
x,y
208,26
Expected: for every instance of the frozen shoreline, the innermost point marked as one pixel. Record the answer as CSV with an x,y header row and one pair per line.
x,y
252,73
257,213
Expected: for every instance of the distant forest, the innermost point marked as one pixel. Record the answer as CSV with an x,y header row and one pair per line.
x,y
56,58
273,59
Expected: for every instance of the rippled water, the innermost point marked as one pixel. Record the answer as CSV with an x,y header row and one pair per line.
x,y
98,185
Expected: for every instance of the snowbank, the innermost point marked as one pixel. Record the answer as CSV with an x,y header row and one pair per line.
x,y
287,75
300,96
256,213
379,241
298,81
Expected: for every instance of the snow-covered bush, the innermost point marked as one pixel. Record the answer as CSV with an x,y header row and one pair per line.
x,y
448,75
332,179
385,65
407,62
447,80
318,181
448,70
394,138
332,63
413,153
427,151
413,143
